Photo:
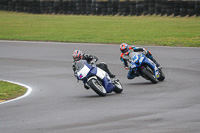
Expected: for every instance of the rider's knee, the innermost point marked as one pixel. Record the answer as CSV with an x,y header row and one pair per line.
x,y
130,76
102,65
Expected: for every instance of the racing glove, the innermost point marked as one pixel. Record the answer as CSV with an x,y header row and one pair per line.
x,y
149,55
126,67
145,51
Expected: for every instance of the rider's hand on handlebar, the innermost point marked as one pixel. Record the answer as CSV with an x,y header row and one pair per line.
x,y
145,52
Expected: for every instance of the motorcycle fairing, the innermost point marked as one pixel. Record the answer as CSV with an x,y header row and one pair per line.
x,y
86,70
108,85
83,72
139,59
152,65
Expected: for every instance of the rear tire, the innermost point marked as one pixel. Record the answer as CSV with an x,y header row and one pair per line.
x,y
149,75
97,87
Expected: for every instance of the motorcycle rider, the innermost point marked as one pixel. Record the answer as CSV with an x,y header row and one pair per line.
x,y
124,57
91,59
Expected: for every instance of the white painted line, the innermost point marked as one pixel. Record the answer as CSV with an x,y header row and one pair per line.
x,y
29,89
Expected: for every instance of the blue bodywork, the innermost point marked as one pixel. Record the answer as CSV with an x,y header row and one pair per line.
x,y
139,59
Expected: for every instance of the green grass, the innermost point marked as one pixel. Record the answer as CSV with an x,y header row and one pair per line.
x,y
143,30
10,91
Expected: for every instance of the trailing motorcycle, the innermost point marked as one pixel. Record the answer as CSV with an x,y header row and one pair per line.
x,y
96,79
145,67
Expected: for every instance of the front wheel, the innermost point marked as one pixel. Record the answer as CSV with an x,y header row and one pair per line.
x,y
148,73
162,75
97,87
118,87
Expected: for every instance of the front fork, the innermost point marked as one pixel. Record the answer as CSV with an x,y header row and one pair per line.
x,y
154,71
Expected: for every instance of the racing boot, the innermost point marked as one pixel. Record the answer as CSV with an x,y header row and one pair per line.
x,y
108,71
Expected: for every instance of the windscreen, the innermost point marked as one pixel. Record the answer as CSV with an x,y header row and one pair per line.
x,y
80,64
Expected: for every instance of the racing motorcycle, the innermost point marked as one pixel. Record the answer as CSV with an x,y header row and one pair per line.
x,y
96,79
145,67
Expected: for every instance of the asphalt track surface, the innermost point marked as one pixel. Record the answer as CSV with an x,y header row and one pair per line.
x,y
58,104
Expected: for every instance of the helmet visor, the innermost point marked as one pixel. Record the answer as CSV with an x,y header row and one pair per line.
x,y
124,50
76,58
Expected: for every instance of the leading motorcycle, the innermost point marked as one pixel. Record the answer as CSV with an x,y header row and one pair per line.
x,y
96,79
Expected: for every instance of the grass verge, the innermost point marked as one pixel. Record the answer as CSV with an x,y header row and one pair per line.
x,y
10,90
142,30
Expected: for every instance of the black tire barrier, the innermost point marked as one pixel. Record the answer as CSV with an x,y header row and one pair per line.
x,y
170,8
152,7
57,9
139,7
191,8
71,7
78,7
105,7
126,8
110,7
132,7
146,7
88,7
93,7
197,7
183,8
65,4
158,7
115,4
83,7
121,7
163,7
99,7
177,8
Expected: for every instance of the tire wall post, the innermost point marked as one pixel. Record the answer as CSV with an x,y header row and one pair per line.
x,y
191,8
197,7
115,6
152,7
170,7
183,8
177,7
132,6
158,7
139,7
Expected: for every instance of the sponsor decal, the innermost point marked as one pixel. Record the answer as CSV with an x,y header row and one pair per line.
x,y
80,76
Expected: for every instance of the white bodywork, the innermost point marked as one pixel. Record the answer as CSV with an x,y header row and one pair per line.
x,y
100,73
83,72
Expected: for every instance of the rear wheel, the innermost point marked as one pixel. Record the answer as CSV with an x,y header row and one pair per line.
x,y
97,87
149,74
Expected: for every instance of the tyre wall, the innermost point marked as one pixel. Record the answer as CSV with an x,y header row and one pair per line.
x,y
105,7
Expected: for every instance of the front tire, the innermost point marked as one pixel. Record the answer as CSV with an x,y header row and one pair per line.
x,y
118,87
162,75
149,75
97,87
